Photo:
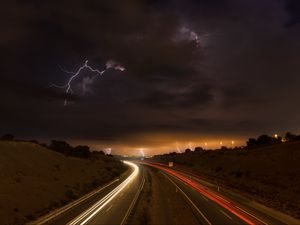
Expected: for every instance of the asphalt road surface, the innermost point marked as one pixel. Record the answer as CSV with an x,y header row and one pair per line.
x,y
109,205
215,206
178,198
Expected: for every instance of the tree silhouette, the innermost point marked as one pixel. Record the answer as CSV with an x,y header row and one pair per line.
x,y
187,150
7,137
291,137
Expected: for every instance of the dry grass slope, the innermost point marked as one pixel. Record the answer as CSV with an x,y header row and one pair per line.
x,y
34,180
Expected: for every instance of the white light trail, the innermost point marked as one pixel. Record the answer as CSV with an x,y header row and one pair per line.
x,y
87,80
86,216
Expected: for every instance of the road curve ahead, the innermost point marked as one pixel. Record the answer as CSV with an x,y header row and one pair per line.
x,y
112,208
112,205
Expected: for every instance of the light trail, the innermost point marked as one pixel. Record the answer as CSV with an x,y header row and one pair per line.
x,y
68,86
246,217
192,203
86,216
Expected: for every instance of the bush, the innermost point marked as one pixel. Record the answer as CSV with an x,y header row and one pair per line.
x,y
291,137
251,142
172,153
199,149
61,146
265,140
224,148
262,140
33,141
7,137
81,151
187,150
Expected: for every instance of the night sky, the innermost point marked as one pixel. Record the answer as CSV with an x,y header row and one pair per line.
x,y
196,71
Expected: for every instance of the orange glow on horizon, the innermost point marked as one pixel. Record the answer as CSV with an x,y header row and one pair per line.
x,y
160,144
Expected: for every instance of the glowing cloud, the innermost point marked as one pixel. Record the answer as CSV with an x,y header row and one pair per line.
x,y
86,80
186,34
107,151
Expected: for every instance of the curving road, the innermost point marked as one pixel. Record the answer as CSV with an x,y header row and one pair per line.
x,y
173,197
213,206
110,204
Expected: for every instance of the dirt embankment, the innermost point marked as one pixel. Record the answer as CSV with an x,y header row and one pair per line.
x,y
268,174
35,180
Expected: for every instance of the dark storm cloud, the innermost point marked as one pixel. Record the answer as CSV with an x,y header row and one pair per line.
x,y
293,7
196,96
241,70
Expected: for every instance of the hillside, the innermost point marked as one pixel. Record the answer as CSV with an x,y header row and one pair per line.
x,y
46,179
269,174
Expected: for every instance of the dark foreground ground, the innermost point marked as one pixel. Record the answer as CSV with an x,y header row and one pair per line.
x,y
160,203
35,180
154,194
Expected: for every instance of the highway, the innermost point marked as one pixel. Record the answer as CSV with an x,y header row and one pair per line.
x,y
155,194
214,207
111,204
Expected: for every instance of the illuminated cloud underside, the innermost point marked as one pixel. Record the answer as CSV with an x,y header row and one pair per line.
x,y
86,80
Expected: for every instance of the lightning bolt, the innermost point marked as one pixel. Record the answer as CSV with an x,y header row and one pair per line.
x,y
107,151
68,86
177,148
142,152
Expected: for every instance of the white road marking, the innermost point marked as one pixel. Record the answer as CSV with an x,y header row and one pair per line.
x,y
251,215
204,198
86,216
109,208
226,214
238,207
222,198
133,201
193,204
62,210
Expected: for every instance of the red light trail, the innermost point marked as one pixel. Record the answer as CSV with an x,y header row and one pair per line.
x,y
212,196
